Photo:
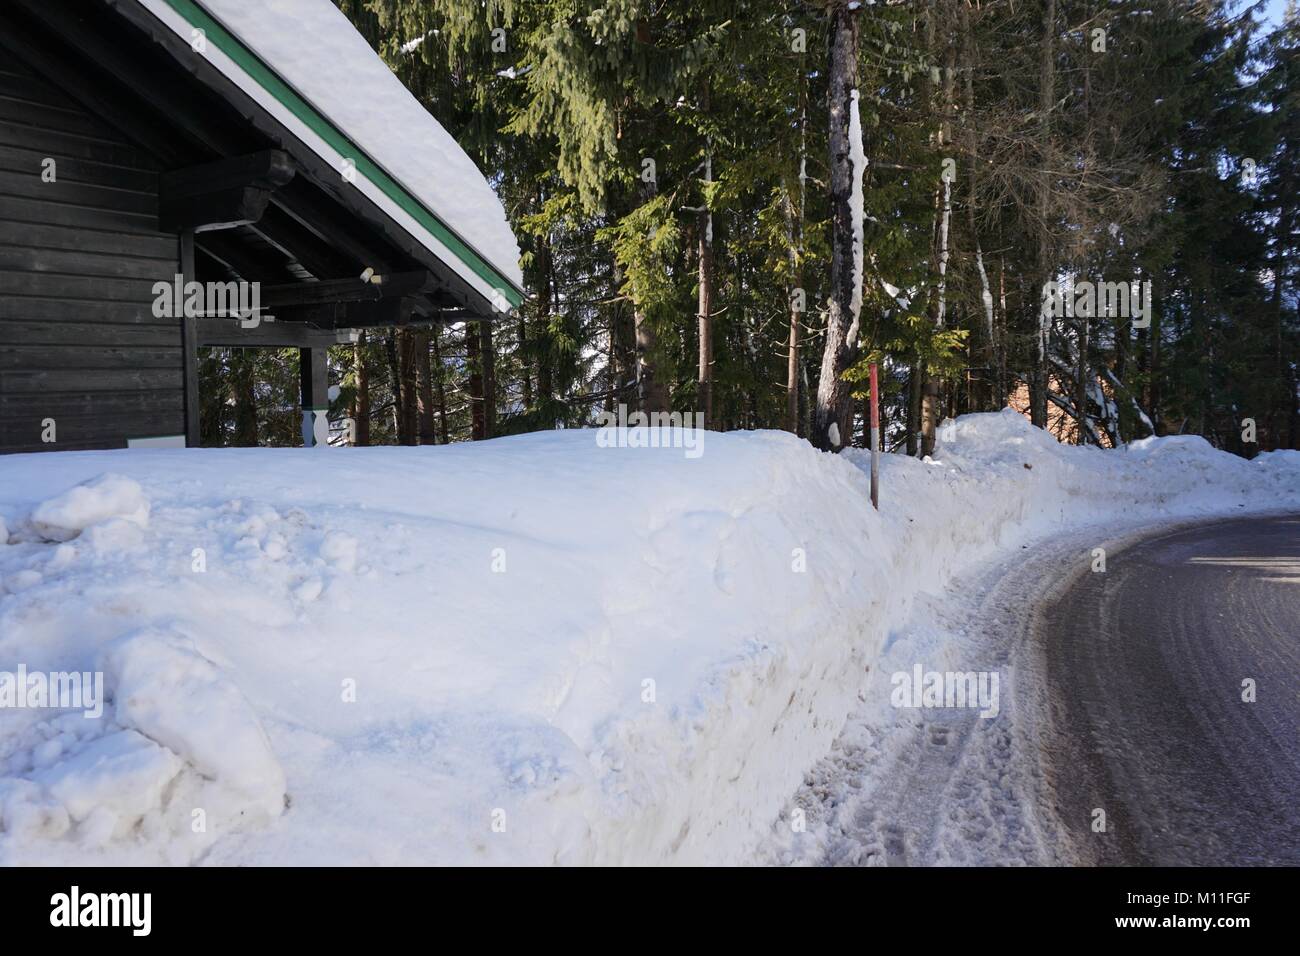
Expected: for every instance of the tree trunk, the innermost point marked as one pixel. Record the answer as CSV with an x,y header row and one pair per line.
x,y
1142,350
525,373
440,386
705,314
834,415
243,364
796,298
424,388
622,348
805,397
793,294
704,227
409,403
488,356
983,393
542,332
1123,342
1153,402
1293,421
1081,386
395,385
931,392
1002,335
652,395
361,402
792,375
1046,268
1123,339
1282,408
612,363
474,365
915,374
929,415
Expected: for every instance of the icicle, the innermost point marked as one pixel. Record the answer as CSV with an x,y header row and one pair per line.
x,y
858,157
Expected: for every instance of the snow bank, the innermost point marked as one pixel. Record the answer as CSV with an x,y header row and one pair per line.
x,y
530,650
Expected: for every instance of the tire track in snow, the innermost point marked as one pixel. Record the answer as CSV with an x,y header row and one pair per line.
x,y
944,786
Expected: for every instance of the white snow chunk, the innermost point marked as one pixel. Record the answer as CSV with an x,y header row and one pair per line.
x,y
340,550
27,810
24,579
108,496
164,688
123,772
309,590
115,534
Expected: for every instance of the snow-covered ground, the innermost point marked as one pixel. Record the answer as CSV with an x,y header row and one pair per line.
x,y
530,650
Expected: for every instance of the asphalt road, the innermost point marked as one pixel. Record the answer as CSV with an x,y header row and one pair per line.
x,y
1145,665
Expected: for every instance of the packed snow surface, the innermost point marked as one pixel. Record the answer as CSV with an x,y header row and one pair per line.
x,y
316,50
529,650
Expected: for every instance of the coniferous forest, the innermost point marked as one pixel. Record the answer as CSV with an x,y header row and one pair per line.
x,y
680,177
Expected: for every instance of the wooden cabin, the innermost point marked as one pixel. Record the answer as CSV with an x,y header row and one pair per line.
x,y
158,143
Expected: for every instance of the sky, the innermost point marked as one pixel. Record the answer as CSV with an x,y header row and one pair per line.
x,y
1273,11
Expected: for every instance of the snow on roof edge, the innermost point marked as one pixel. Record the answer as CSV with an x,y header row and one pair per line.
x,y
441,203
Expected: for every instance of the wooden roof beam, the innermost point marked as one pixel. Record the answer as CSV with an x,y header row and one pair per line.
x,y
302,202
303,246
221,194
267,169
229,250
230,333
399,310
393,285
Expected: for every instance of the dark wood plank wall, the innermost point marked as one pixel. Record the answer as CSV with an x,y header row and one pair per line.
x,y
78,259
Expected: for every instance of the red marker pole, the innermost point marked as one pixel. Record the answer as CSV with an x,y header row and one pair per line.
x,y
875,439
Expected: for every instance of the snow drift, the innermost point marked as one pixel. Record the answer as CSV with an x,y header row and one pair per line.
x,y
531,650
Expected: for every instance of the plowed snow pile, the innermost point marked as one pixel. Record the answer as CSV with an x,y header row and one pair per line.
x,y
530,650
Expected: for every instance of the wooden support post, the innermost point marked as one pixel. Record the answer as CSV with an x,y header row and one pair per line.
x,y
314,373
190,347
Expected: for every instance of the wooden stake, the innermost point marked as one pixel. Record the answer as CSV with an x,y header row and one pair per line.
x,y
875,438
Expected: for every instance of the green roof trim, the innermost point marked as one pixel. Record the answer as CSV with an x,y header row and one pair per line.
x,y
288,97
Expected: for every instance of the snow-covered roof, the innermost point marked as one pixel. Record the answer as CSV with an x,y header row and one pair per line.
x,y
304,63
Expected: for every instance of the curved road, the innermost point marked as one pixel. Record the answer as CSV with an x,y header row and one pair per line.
x,y
1145,665
1121,691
